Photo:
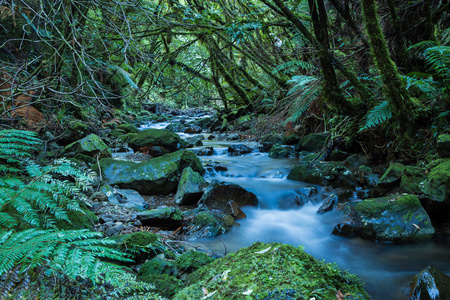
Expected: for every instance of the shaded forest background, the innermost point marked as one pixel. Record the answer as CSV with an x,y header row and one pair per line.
x,y
336,65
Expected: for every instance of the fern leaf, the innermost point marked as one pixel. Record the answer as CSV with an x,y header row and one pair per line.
x,y
376,115
292,66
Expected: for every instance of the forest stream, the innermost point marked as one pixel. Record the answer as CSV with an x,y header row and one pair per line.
x,y
386,268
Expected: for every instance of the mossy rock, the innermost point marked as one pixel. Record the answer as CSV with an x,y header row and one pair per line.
x,y
156,137
156,266
330,173
292,139
391,178
153,176
430,284
397,218
192,260
313,142
412,178
91,145
78,220
139,245
165,285
443,145
116,133
85,158
128,128
190,188
270,271
437,185
205,223
278,151
168,217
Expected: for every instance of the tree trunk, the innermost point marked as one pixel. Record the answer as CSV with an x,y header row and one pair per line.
x,y
394,88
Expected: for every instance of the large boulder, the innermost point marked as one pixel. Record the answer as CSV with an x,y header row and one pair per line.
x,y
190,188
239,149
271,271
323,173
397,218
219,194
443,145
412,178
153,176
430,284
124,197
437,186
278,151
156,137
90,145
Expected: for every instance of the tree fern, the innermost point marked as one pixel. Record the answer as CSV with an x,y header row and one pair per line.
x,y
438,57
292,66
376,115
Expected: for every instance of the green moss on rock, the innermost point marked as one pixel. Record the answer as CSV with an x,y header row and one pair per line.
x,y
128,128
398,218
156,137
437,184
91,145
192,260
165,285
411,179
262,270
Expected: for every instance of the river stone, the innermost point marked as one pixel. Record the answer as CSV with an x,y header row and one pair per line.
x,y
153,176
205,223
390,179
430,284
194,141
323,173
329,204
292,139
394,218
443,145
190,188
239,149
91,145
128,128
437,185
278,151
193,129
168,217
156,137
207,151
219,193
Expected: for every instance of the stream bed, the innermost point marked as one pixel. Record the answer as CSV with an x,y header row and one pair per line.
x,y
386,268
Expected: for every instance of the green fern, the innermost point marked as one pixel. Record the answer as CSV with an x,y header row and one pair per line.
x,y
15,147
304,92
438,57
376,115
292,66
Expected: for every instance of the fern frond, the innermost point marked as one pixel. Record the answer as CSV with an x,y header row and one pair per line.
x,y
15,147
304,92
438,57
292,66
376,115
426,86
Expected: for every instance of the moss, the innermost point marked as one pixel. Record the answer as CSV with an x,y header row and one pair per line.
x,y
411,179
116,133
155,266
128,128
139,245
374,207
165,285
263,270
79,126
84,158
172,213
437,184
192,260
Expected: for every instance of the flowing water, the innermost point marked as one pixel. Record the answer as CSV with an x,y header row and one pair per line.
x,y
386,268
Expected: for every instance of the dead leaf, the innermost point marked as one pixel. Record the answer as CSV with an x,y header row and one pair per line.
x,y
205,291
263,251
415,225
339,295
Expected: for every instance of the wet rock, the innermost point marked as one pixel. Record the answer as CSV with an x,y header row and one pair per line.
x,y
190,188
278,151
138,245
128,128
329,204
337,155
91,145
193,129
239,149
443,145
105,218
391,178
207,151
156,137
211,137
313,142
291,199
398,218
323,173
153,176
437,186
114,230
412,178
345,230
176,127
219,193
194,141
205,223
430,284
124,197
168,217
235,210
234,137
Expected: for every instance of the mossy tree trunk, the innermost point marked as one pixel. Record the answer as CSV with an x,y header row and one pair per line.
x,y
394,88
